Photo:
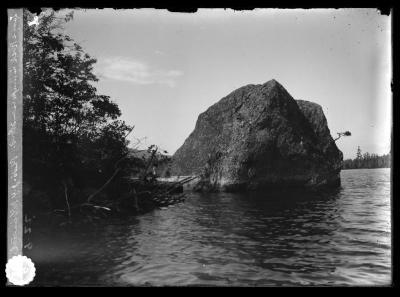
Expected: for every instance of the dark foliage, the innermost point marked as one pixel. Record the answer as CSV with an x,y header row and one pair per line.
x,y
72,138
367,161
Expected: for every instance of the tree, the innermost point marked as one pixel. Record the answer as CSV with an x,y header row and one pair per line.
x,y
72,135
340,134
359,155
367,160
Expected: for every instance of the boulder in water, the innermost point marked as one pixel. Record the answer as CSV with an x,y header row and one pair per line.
x,y
259,137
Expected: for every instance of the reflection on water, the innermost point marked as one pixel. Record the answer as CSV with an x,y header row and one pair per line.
x,y
264,239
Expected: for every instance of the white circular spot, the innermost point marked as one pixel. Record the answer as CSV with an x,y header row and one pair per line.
x,y
20,270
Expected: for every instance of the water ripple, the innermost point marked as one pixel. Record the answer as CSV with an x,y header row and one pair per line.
x,y
270,239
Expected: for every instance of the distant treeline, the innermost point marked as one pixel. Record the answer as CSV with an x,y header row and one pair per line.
x,y
367,160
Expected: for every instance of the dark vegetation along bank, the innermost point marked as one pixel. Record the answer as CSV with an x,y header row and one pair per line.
x,y
367,160
76,159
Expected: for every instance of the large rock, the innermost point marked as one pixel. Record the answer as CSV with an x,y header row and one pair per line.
x,y
260,137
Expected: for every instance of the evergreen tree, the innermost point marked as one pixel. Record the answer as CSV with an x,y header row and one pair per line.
x,y
359,155
367,161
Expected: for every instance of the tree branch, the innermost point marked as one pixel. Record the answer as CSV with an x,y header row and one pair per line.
x,y
103,186
149,162
66,198
340,134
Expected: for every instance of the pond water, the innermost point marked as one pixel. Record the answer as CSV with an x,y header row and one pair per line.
x,y
264,239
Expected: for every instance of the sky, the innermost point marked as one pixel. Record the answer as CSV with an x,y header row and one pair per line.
x,y
163,69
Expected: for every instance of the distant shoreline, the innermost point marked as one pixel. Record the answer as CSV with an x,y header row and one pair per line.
x,y
366,168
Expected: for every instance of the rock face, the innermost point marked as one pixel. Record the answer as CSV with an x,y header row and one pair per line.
x,y
260,137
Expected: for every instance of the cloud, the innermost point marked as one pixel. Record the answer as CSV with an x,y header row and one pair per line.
x,y
129,70
160,53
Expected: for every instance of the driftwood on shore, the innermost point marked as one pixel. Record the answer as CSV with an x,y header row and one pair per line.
x,y
160,193
142,197
140,194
